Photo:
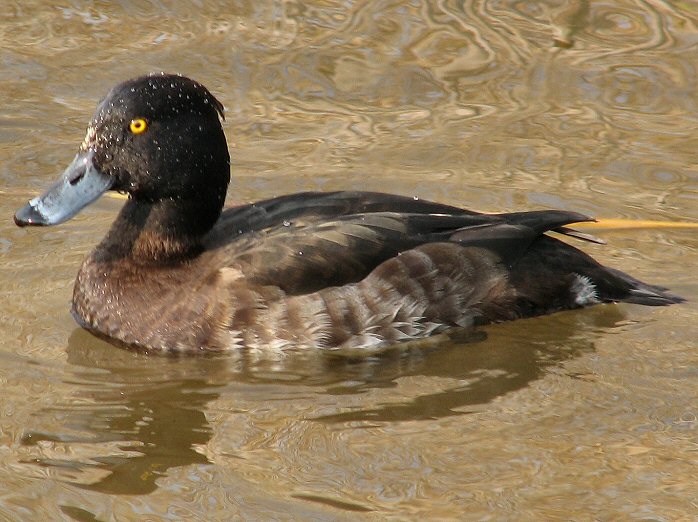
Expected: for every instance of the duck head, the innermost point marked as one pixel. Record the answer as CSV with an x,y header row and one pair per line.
x,y
157,138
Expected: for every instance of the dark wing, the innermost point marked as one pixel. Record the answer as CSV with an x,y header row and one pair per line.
x,y
308,254
284,210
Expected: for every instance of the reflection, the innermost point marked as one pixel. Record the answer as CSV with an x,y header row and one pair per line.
x,y
512,356
146,412
567,20
485,364
338,504
77,513
134,416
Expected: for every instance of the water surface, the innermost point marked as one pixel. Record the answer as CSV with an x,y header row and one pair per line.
x,y
494,105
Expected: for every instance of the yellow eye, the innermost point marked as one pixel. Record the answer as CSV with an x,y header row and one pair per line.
x,y
138,125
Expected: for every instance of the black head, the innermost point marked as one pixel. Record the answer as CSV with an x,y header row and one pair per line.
x,y
160,136
157,138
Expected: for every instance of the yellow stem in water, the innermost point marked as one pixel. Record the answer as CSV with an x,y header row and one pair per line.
x,y
617,223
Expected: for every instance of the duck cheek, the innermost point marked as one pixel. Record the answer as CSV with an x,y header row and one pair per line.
x,y
80,184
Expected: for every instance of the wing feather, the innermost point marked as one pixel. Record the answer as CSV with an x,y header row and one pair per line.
x,y
311,250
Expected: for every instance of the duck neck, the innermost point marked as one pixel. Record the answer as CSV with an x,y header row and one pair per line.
x,y
161,232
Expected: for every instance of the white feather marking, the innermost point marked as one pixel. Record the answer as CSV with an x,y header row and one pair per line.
x,y
584,291
90,138
229,275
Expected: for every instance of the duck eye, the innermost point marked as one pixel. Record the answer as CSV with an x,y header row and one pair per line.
x,y
138,125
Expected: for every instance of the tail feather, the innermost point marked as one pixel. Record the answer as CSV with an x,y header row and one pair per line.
x,y
553,275
645,294
571,232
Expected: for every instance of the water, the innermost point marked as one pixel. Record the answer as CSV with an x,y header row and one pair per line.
x,y
501,105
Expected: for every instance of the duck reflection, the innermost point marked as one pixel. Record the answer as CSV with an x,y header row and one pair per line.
x,y
501,359
148,413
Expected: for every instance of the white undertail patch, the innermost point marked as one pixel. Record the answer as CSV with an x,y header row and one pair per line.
x,y
584,291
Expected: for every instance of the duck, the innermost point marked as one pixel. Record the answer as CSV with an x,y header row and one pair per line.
x,y
177,273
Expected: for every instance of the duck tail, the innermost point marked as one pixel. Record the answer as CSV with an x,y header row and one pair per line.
x,y
642,293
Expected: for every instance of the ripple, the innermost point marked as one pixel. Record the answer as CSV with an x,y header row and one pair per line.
x,y
497,105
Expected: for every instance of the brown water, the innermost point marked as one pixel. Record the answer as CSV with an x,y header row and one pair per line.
x,y
494,105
